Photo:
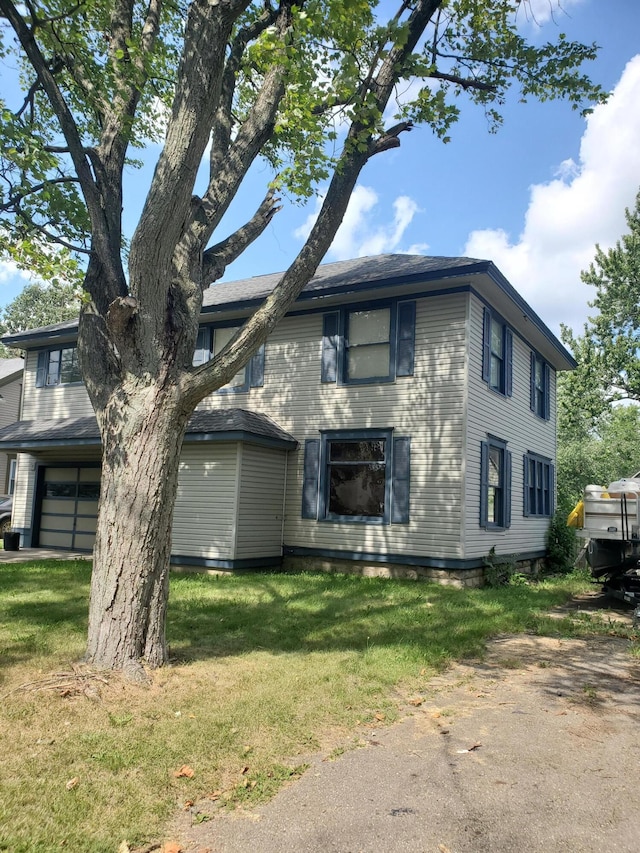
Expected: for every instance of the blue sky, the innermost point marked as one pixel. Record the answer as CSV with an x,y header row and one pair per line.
x,y
535,198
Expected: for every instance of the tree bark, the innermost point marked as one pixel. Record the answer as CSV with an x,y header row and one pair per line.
x,y
142,431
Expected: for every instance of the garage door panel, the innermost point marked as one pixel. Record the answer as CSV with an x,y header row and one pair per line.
x,y
53,539
55,506
69,508
56,522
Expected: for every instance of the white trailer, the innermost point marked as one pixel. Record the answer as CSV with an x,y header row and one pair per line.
x,y
610,523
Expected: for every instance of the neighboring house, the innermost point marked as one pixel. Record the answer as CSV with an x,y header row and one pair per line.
x,y
11,370
401,420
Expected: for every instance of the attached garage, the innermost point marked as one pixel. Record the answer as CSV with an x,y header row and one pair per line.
x,y
231,487
67,500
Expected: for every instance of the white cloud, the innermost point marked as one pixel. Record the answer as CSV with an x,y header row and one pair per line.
x,y
9,273
566,217
359,236
541,11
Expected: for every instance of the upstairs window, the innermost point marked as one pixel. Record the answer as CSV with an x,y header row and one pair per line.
x,y
368,345
540,402
497,354
58,367
211,341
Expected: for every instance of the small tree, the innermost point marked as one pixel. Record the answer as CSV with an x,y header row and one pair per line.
x,y
607,352
225,81
39,305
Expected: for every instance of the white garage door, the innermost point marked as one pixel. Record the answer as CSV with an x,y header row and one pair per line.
x,y
69,508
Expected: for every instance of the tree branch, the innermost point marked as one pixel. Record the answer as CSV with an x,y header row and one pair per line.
x,y
197,95
223,123
252,135
218,257
463,82
16,197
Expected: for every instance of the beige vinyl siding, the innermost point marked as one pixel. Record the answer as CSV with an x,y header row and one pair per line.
x,y
260,502
56,401
204,516
510,419
24,491
428,407
9,413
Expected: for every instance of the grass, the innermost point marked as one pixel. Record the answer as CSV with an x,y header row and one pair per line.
x,y
265,670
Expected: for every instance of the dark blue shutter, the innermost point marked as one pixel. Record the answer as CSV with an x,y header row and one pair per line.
x,y
552,487
486,345
508,362
532,385
41,372
310,478
525,479
405,352
484,482
329,371
203,346
256,369
401,481
546,374
507,488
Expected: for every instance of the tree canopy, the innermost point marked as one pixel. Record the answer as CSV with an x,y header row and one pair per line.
x,y
39,305
608,349
315,89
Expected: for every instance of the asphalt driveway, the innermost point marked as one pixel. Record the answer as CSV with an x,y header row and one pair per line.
x,y
536,748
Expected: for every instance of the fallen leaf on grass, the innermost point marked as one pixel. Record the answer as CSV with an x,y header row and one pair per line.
x,y
72,783
215,795
380,716
416,702
185,771
171,847
443,848
124,847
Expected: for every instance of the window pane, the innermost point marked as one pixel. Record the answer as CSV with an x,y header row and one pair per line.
x,y
357,451
69,370
357,489
495,378
364,362
491,505
221,338
60,490
496,338
368,327
495,464
90,491
53,370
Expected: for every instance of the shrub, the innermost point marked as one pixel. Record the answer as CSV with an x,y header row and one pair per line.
x,y
561,544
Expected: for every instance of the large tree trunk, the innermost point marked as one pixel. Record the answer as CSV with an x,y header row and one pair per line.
x,y
142,432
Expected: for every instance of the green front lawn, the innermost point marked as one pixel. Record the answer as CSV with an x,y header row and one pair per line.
x,y
266,668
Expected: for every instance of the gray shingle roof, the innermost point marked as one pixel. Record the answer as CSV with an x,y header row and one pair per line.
x,y
9,367
224,424
356,274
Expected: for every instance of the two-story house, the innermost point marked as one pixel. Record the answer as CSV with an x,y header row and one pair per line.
x,y
400,420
